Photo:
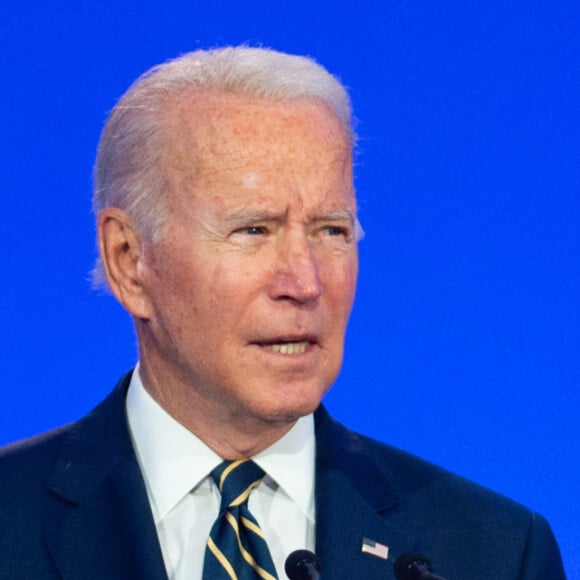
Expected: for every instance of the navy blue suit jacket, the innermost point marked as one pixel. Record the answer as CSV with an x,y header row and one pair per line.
x,y
74,507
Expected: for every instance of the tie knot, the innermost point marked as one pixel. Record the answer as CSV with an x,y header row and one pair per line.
x,y
235,480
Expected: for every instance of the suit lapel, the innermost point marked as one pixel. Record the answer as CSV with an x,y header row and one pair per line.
x,y
353,500
101,526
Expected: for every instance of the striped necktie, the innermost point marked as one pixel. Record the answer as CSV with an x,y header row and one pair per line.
x,y
236,547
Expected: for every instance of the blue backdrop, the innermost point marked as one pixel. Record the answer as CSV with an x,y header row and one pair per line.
x,y
463,346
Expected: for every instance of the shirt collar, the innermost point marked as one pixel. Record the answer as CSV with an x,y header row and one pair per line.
x,y
290,463
174,461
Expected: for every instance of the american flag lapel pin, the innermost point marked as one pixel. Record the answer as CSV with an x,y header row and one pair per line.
x,y
374,548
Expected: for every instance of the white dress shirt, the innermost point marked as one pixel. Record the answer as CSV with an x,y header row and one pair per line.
x,y
185,501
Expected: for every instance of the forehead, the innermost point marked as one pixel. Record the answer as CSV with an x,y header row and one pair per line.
x,y
218,133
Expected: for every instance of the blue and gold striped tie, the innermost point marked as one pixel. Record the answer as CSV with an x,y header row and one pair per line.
x,y
236,548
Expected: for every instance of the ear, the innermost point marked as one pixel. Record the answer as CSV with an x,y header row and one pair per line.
x,y
121,256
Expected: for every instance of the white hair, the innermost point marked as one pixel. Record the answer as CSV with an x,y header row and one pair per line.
x,y
129,172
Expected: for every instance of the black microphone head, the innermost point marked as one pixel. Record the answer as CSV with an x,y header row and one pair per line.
x,y
411,566
302,565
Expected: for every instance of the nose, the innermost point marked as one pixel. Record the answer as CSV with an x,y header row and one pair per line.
x,y
296,272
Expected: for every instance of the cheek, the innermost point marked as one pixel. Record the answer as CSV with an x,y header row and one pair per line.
x,y
225,292
339,282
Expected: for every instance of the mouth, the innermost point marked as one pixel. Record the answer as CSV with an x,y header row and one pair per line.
x,y
288,346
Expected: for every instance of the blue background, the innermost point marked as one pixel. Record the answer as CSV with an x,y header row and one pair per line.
x,y
463,346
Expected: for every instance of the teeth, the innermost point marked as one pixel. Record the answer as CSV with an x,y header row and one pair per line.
x,y
290,347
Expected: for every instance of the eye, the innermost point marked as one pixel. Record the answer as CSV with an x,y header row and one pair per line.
x,y
252,230
336,231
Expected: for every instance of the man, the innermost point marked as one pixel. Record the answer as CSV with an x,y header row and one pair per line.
x,y
227,229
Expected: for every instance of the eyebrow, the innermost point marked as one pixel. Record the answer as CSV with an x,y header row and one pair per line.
x,y
336,215
258,216
250,216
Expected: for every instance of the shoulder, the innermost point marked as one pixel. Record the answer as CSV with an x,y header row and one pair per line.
x,y
25,469
446,514
446,509
27,465
441,495
408,475
31,458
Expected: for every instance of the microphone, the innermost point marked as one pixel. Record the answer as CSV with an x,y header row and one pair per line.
x,y
414,567
302,565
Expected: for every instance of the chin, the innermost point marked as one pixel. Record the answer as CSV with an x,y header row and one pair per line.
x,y
291,409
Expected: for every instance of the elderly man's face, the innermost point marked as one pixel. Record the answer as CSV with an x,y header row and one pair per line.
x,y
253,283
